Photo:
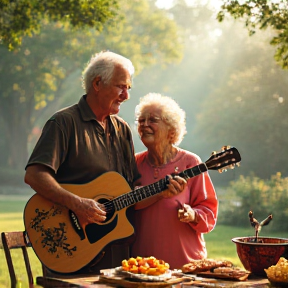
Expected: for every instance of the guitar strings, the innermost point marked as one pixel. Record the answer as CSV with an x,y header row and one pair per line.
x,y
133,196
110,206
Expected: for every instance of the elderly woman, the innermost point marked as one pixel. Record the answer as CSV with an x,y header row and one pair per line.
x,y
170,226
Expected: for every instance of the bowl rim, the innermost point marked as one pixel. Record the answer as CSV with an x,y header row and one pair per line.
x,y
236,240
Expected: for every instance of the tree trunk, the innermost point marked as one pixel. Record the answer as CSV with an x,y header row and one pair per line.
x,y
17,139
17,127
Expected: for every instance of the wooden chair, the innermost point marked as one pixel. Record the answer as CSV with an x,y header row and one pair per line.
x,y
14,240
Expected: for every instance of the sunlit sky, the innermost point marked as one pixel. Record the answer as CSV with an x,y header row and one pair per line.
x,y
214,33
168,3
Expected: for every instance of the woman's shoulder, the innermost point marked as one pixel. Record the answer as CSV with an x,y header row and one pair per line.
x,y
188,158
189,155
140,156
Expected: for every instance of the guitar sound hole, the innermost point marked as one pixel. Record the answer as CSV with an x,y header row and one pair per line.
x,y
95,231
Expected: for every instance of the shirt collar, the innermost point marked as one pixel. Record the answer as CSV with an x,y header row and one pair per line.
x,y
85,110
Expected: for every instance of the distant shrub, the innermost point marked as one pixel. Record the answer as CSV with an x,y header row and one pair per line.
x,y
261,196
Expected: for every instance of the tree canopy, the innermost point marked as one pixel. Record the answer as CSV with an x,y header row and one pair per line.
x,y
262,14
249,109
19,18
34,77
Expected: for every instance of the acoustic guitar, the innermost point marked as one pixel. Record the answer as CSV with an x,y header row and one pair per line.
x,y
60,242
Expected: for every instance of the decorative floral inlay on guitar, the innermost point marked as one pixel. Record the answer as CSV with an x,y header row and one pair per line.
x,y
52,238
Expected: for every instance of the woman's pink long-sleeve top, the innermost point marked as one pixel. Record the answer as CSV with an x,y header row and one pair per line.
x,y
159,232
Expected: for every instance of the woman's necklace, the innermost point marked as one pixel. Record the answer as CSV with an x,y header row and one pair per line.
x,y
157,168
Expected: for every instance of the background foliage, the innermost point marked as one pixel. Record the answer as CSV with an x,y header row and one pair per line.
x,y
263,197
232,89
261,14
24,17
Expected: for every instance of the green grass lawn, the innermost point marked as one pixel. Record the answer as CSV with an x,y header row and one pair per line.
x,y
219,244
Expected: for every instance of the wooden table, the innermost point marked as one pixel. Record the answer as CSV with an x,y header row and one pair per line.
x,y
251,282
109,281
102,282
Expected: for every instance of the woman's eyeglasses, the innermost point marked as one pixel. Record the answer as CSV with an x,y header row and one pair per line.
x,y
149,120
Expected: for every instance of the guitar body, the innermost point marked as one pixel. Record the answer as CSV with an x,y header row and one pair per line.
x,y
59,241
64,246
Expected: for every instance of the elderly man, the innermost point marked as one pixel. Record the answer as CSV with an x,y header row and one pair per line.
x,y
81,142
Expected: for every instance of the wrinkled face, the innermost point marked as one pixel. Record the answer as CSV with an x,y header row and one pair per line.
x,y
113,94
152,129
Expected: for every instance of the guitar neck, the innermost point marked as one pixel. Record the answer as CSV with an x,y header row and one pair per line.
x,y
141,193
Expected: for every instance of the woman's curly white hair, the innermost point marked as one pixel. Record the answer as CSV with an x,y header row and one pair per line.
x,y
171,113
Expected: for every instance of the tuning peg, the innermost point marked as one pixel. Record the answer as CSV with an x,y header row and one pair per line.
x,y
213,153
225,148
238,164
220,170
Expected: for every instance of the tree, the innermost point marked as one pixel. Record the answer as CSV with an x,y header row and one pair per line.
x,y
33,75
19,18
248,111
263,14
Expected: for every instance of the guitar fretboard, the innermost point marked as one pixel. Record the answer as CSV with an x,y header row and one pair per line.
x,y
141,193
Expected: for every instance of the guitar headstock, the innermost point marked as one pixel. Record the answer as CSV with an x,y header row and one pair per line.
x,y
228,157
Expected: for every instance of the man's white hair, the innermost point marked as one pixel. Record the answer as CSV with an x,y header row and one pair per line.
x,y
102,64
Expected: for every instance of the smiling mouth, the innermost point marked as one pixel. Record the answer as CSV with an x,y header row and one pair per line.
x,y
118,103
147,133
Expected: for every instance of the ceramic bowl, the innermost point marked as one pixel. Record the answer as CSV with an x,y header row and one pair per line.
x,y
256,257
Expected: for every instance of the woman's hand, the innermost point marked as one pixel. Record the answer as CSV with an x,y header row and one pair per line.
x,y
176,185
186,214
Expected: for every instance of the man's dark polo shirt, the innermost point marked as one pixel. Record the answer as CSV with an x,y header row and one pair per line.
x,y
75,146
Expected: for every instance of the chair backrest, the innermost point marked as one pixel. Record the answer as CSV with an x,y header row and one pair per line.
x,y
13,240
